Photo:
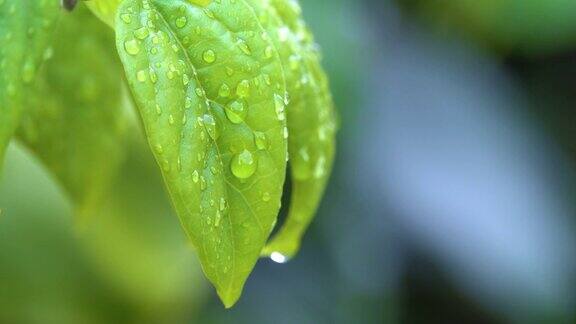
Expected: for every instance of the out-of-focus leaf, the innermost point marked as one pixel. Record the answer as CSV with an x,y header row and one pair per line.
x,y
311,122
530,26
137,245
130,265
26,28
104,9
209,86
74,117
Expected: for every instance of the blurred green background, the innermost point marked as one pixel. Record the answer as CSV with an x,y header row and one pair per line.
x,y
453,198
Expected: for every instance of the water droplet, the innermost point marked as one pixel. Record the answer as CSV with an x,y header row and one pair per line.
x,y
166,166
181,21
279,106
261,140
244,47
217,218
126,18
229,71
185,79
320,168
243,165
243,89
224,90
158,148
153,76
195,176
141,76
236,112
278,257
141,33
209,56
210,125
132,47
266,196
222,204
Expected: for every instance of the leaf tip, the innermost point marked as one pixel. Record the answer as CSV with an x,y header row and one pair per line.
x,y
229,298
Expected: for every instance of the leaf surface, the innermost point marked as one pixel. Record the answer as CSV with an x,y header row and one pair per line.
x,y
73,119
210,90
26,28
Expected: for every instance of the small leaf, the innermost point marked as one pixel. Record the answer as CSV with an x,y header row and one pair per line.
x,y
311,123
73,118
26,28
206,92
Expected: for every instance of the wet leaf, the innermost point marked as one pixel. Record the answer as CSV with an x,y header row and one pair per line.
x,y
26,28
207,91
73,118
311,122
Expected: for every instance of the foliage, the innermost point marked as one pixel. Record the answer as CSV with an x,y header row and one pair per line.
x,y
226,92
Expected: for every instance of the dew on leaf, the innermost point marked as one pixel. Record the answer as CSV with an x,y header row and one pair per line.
x,y
243,165
243,89
236,112
181,22
261,140
209,56
132,47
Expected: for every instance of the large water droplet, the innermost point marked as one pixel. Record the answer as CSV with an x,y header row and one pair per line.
x,y
141,33
243,89
236,112
132,47
209,56
243,165
278,257
181,21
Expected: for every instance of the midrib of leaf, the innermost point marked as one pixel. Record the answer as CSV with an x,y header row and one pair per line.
x,y
227,294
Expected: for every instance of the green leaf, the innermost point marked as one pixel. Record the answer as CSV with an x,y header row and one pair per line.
x,y
210,90
311,122
26,28
74,119
104,9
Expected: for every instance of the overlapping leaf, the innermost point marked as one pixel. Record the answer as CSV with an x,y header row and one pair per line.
x,y
73,117
210,89
26,30
311,120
